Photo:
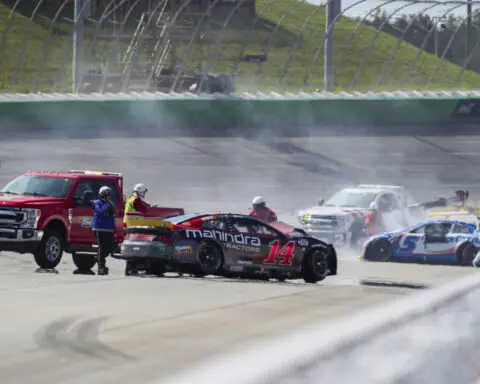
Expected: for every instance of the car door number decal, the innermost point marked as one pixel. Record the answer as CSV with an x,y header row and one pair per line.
x,y
408,244
286,253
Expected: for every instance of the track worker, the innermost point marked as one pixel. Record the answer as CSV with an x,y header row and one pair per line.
x,y
103,226
135,210
261,211
136,207
374,221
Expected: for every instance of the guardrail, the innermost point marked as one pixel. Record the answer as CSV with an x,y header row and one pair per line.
x,y
169,111
431,336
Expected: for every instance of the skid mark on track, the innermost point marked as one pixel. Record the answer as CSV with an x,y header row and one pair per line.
x,y
444,150
314,162
223,160
69,335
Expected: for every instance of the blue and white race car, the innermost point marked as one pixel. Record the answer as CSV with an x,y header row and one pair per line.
x,y
435,241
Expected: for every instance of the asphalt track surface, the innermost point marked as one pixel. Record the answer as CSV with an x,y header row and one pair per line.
x,y
62,327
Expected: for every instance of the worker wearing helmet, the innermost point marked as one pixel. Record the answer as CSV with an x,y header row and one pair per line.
x,y
135,209
261,211
103,226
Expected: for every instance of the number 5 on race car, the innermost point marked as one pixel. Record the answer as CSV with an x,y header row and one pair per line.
x,y
286,253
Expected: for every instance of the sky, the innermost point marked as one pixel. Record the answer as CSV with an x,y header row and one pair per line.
x,y
360,9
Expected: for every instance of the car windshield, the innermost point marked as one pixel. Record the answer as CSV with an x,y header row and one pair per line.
x,y
39,186
351,198
288,229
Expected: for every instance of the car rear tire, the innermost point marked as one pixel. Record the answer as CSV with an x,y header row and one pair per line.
x,y
209,259
84,261
315,266
466,254
50,251
379,250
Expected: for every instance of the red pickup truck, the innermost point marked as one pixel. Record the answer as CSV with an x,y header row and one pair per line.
x,y
47,213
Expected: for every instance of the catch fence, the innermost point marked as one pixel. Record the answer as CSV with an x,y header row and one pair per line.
x,y
86,46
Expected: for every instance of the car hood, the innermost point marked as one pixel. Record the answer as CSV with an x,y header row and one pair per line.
x,y
337,211
9,200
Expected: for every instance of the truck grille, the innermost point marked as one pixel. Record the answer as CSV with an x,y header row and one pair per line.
x,y
12,216
321,221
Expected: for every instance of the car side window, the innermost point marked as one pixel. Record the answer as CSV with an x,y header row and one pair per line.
x,y
461,228
240,225
214,224
262,229
437,229
251,226
418,231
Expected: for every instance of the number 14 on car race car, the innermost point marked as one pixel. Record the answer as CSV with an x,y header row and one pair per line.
x,y
285,254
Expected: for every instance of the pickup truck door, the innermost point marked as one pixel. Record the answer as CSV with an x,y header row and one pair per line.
x,y
81,213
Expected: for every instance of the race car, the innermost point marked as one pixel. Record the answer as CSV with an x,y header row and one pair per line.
x,y
347,218
227,244
444,241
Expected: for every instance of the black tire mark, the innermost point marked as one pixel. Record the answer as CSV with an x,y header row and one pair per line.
x,y
316,162
63,337
444,150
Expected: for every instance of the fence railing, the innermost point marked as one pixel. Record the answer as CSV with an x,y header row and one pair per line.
x,y
243,46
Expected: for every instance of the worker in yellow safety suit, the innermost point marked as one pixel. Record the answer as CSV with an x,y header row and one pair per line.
x,y
135,207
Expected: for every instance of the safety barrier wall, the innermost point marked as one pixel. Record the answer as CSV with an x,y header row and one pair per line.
x,y
242,111
429,337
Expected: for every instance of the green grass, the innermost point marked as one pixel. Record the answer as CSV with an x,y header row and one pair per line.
x,y
54,71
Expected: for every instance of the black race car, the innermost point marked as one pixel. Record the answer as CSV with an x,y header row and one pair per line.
x,y
229,245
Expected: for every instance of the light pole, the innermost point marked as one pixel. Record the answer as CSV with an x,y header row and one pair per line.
x,y
443,26
469,28
77,59
333,9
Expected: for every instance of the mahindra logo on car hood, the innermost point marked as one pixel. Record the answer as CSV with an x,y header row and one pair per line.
x,y
222,236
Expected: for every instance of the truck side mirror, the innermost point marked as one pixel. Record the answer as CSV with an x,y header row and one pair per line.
x,y
320,201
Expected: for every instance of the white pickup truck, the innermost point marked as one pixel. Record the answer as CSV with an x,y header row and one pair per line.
x,y
340,219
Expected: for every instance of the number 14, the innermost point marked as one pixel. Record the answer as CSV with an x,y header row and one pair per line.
x,y
286,253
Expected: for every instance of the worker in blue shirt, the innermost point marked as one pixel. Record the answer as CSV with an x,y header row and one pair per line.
x,y
103,226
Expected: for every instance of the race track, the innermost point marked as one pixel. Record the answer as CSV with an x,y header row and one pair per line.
x,y
99,329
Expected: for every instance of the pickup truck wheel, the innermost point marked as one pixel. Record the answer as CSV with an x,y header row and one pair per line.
x,y
84,261
50,251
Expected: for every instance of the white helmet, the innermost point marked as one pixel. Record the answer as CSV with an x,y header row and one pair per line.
x,y
258,201
140,190
104,191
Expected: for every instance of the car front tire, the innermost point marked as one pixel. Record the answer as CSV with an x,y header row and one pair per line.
x,y
379,250
315,266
